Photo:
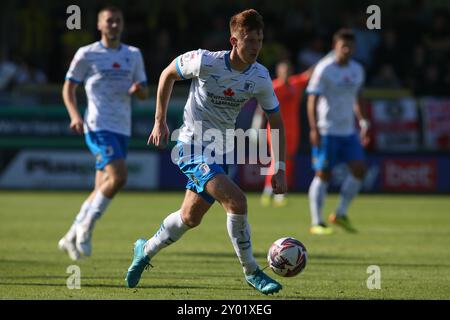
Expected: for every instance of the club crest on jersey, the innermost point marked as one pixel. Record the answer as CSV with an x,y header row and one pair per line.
x,y
204,168
249,86
116,65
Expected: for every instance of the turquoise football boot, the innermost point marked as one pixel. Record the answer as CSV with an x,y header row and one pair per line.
x,y
262,282
140,262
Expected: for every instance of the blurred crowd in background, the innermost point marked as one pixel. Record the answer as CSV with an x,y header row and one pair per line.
x,y
412,49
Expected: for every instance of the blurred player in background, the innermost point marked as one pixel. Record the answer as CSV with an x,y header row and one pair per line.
x,y
112,72
222,82
289,90
334,98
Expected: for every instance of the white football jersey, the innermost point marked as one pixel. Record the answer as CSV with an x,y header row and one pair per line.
x,y
107,75
218,92
338,88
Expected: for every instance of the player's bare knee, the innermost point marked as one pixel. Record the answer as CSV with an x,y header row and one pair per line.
x,y
190,219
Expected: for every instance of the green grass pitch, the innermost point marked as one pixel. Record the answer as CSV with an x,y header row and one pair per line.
x,y
407,236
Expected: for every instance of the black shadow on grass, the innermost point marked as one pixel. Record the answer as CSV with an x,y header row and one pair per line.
x,y
88,285
28,262
366,263
333,257
230,254
54,277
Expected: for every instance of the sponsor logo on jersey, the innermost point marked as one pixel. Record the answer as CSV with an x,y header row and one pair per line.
x,y
227,100
228,92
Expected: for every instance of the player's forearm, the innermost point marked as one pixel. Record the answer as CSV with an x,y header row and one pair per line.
x,y
282,152
70,100
359,109
165,87
258,118
360,114
276,123
311,110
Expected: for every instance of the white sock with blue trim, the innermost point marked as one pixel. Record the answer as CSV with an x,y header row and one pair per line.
x,y
96,209
171,230
70,235
239,232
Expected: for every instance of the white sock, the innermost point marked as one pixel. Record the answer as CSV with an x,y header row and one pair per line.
x,y
96,209
70,235
170,231
349,189
317,193
239,232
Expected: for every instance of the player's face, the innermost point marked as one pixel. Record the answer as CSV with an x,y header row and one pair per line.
x,y
284,70
344,50
248,45
110,24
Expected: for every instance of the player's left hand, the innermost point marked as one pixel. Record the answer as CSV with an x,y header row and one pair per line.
x,y
159,135
135,88
279,184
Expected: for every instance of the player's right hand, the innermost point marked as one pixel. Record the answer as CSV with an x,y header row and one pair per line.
x,y
314,137
159,135
76,125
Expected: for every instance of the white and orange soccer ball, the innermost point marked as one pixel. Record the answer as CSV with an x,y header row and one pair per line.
x,y
287,257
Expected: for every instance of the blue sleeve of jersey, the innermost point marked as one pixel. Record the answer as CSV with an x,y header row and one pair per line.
x,y
177,65
276,109
73,80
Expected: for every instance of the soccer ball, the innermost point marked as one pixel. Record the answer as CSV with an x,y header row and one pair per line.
x,y
287,257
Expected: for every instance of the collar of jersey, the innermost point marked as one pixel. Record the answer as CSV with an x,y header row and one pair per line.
x,y
103,46
227,63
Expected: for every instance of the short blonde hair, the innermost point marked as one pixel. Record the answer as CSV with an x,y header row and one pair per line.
x,y
247,20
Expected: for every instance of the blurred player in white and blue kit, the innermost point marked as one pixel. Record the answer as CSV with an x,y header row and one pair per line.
x,y
112,72
222,82
334,99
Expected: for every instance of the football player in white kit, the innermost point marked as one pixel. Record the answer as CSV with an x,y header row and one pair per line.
x,y
221,84
112,72
333,101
